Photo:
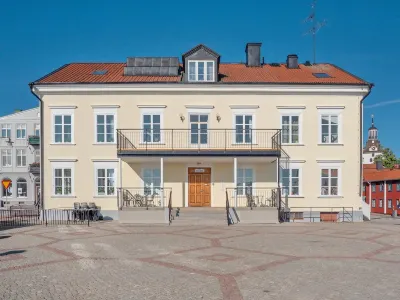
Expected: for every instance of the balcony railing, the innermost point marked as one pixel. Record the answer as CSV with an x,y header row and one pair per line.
x,y
34,168
186,141
253,197
145,197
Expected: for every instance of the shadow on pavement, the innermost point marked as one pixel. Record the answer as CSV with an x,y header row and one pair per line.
x,y
12,252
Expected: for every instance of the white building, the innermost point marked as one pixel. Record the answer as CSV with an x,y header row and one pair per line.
x,y
373,146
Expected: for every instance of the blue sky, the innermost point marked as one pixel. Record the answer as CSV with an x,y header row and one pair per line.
x,y
361,37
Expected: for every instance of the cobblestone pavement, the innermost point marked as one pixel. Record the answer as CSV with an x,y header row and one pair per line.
x,y
287,261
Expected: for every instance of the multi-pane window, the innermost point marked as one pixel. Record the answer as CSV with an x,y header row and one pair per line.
x,y
198,129
7,192
389,187
37,156
243,127
380,202
63,128
398,187
364,187
21,157
373,187
245,181
6,130
397,203
381,187
6,157
21,131
152,181
201,71
290,129
63,181
389,203
22,188
329,181
329,128
105,125
291,182
37,129
105,181
151,128
373,203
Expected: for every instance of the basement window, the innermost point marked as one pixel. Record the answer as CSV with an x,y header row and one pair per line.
x,y
99,72
322,75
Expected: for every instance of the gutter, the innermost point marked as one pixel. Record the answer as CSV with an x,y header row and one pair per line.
x,y
31,85
370,85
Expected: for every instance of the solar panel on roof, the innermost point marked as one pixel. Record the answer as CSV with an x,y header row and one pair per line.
x,y
152,66
322,75
99,72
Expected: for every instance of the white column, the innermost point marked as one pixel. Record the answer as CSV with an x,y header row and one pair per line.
x,y
235,178
384,197
162,181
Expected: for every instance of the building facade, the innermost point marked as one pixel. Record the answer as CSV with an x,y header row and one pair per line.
x,y
381,189
20,157
373,146
203,133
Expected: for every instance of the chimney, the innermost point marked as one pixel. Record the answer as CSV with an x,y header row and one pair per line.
x,y
292,61
253,54
379,165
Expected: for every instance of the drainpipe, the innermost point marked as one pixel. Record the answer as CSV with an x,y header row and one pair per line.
x,y
370,86
31,85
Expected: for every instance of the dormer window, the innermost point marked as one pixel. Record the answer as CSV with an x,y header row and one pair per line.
x,y
201,70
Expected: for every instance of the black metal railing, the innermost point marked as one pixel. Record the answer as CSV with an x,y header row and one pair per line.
x,y
323,214
199,140
252,197
142,197
228,215
170,217
30,217
34,168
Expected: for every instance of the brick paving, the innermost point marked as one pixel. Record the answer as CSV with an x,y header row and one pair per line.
x,y
287,261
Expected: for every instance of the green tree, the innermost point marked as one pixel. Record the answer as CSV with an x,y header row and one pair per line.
x,y
388,158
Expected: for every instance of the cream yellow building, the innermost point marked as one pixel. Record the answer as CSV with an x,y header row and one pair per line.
x,y
156,131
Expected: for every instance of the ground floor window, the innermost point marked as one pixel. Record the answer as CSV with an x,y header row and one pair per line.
x,y
7,192
245,180
329,181
373,203
380,203
389,203
291,182
106,182
22,188
63,181
152,181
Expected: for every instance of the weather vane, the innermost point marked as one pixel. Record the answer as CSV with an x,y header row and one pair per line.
x,y
316,26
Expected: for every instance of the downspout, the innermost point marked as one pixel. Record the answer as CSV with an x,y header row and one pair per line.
x,y
31,85
370,86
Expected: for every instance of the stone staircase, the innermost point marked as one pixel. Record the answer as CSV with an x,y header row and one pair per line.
x,y
200,216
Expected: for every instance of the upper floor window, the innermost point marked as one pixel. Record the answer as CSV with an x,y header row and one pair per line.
x,y
21,131
290,129
6,130
151,124
6,157
37,129
389,187
381,187
63,126
243,127
37,156
373,187
330,126
21,157
201,70
105,125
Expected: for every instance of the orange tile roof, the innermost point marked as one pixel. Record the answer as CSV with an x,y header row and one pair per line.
x,y
381,175
229,73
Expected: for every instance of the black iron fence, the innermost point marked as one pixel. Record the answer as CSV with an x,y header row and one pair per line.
x,y
198,139
252,197
130,197
29,217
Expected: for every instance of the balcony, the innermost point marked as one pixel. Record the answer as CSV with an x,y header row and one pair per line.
x,y
34,140
34,168
199,142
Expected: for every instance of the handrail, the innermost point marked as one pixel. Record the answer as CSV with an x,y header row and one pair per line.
x,y
170,207
227,209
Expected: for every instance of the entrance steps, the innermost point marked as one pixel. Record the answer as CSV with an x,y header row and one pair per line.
x,y
200,216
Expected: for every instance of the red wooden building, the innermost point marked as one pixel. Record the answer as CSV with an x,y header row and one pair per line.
x,y
381,189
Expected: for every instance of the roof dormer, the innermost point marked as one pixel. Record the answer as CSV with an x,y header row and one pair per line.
x,y
201,64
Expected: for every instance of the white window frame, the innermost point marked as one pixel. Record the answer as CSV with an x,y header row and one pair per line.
x,y
152,186
373,203
63,112
205,70
292,113
152,111
298,166
63,165
37,130
390,203
253,126
8,153
19,153
380,203
243,187
331,112
198,113
105,112
337,166
105,166
7,128
22,129
26,185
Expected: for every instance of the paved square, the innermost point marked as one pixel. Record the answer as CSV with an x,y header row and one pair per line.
x,y
287,261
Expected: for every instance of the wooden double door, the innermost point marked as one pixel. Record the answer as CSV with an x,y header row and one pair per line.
x,y
199,187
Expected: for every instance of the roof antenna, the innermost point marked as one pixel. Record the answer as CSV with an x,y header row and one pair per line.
x,y
316,26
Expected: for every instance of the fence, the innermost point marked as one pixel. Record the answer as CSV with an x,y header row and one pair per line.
x,y
143,197
29,217
322,214
252,197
